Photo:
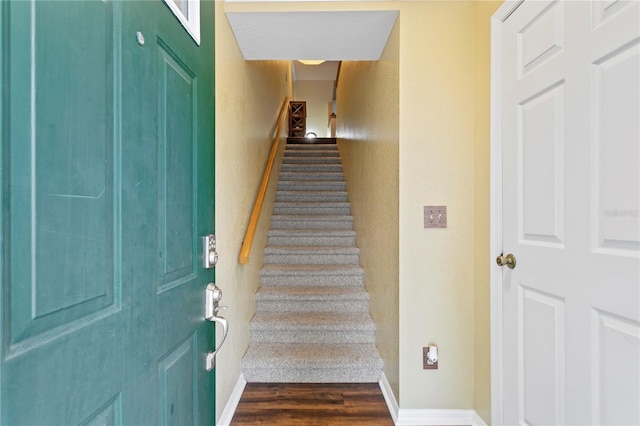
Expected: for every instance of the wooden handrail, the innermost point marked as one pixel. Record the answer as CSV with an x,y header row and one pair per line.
x,y
245,250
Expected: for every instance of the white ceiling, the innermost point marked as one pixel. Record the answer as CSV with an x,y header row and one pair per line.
x,y
335,36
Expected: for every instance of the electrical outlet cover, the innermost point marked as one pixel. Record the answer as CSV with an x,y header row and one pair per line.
x,y
435,216
425,363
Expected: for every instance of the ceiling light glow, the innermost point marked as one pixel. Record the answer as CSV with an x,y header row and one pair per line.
x,y
311,61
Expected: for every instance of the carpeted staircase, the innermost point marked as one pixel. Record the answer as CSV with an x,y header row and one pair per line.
x,y
312,320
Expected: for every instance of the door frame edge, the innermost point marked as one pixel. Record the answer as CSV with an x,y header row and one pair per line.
x,y
495,233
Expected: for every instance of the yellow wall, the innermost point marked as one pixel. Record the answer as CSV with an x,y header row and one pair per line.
x,y
482,336
436,168
248,98
368,132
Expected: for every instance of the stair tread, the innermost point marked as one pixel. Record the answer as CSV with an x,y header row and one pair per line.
x,y
312,232
306,174
312,204
272,249
309,193
315,154
283,321
320,192
279,269
309,182
314,168
304,184
324,164
311,152
312,217
312,146
311,293
312,355
312,237
311,160
288,177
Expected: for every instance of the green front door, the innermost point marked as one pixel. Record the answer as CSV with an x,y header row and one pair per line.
x,y
107,189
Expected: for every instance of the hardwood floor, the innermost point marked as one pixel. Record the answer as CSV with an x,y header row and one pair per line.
x,y
296,404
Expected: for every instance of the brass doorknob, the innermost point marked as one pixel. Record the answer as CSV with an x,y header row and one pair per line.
x,y
508,261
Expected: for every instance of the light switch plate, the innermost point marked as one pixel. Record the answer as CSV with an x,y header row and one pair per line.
x,y
435,216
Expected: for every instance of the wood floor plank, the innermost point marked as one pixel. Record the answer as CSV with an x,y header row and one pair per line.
x,y
309,404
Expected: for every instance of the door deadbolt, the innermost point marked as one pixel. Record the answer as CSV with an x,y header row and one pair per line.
x,y
209,253
509,261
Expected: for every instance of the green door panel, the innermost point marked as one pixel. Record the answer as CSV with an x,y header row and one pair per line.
x,y
177,147
107,188
55,169
61,274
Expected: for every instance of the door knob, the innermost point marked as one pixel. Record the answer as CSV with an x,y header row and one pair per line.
x,y
509,261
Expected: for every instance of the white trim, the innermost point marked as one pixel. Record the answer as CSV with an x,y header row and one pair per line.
x,y
495,238
438,417
232,403
389,397
405,417
190,23
476,420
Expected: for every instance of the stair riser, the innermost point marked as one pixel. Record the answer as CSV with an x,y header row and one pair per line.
x,y
319,176
311,160
312,146
306,168
292,209
311,186
312,197
311,224
312,241
312,375
313,280
312,336
312,306
312,259
310,153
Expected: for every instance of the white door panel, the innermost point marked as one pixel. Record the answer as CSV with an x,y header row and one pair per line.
x,y
570,213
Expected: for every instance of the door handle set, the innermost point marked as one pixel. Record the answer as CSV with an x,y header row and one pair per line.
x,y
509,261
213,295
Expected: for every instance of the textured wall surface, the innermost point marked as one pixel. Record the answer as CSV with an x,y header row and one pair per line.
x,y
368,132
436,168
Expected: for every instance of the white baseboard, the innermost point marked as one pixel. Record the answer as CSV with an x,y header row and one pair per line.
x,y
477,420
409,417
232,403
389,397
